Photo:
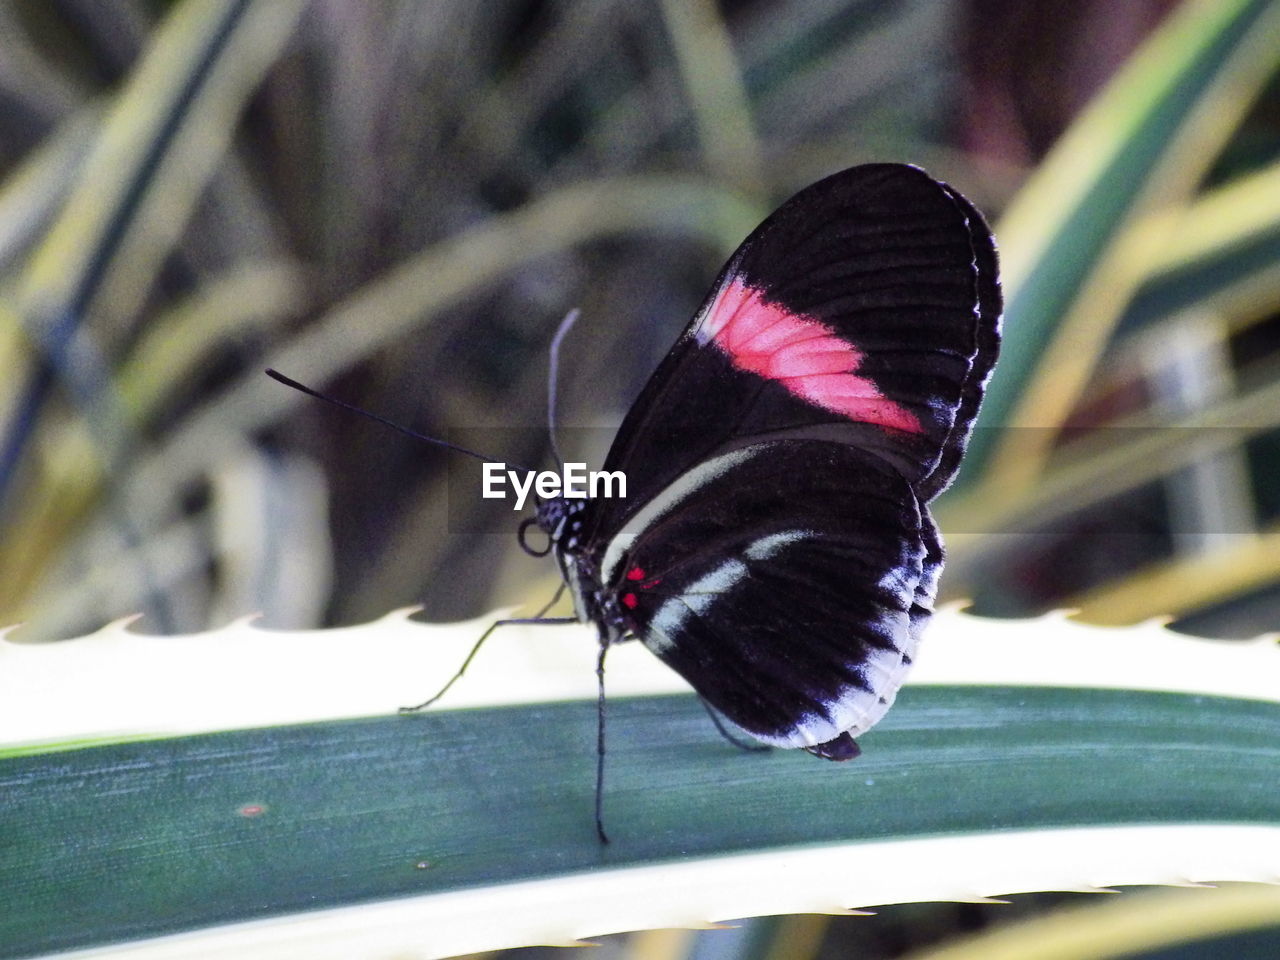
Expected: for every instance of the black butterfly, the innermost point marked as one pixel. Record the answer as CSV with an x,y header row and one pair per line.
x,y
776,547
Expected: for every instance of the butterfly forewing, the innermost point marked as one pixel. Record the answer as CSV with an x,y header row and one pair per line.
x,y
853,311
987,340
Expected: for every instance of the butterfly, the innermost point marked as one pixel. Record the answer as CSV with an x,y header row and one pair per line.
x,y
776,547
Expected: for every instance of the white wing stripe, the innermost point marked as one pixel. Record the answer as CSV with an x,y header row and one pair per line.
x,y
680,489
698,596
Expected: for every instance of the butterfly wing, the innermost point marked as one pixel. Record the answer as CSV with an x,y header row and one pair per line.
x,y
986,341
864,310
776,548
788,588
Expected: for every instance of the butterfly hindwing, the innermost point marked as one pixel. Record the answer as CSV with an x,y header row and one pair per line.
x,y
783,587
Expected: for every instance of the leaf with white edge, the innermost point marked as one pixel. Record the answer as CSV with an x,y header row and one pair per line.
x,y
118,684
463,830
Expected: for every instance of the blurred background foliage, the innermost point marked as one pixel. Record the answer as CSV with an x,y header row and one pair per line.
x,y
397,202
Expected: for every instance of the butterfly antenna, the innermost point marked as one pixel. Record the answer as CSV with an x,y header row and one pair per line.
x,y
553,373
290,382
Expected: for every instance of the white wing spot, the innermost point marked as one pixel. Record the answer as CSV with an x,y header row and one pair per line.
x,y
766,547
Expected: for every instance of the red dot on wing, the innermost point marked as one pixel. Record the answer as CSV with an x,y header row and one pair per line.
x,y
629,600
635,573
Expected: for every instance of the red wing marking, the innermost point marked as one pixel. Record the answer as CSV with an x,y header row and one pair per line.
x,y
635,574
801,353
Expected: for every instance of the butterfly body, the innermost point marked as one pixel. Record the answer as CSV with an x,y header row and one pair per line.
x,y
777,548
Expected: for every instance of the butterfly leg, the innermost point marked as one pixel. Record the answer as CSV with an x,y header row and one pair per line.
x,y
748,745
476,649
604,648
552,602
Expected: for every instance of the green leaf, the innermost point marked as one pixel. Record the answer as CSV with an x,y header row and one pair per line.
x,y
472,829
1141,145
127,203
141,839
